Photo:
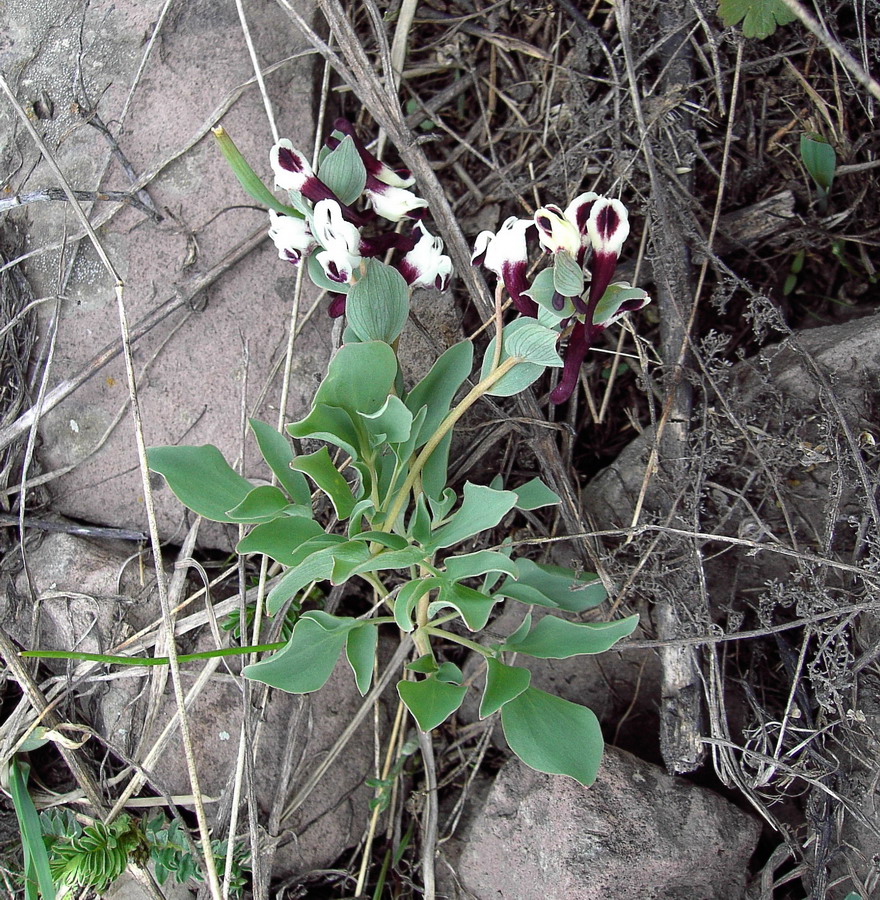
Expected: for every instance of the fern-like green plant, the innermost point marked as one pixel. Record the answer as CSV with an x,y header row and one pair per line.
x,y
96,856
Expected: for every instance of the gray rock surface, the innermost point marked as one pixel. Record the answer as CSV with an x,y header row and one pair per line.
x,y
73,61
636,834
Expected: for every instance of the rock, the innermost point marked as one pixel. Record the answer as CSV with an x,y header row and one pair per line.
x,y
335,813
636,834
199,364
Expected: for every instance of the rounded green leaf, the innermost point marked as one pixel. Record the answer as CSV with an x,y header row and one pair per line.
x,y
360,650
430,701
553,735
278,453
261,504
343,171
568,277
555,638
307,661
407,598
378,303
533,342
521,375
503,684
542,291
201,479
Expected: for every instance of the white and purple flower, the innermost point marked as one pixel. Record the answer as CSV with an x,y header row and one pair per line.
x,y
507,255
426,264
292,236
340,258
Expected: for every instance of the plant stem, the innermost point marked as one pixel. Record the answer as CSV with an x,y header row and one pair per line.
x,y
429,827
456,639
150,660
444,428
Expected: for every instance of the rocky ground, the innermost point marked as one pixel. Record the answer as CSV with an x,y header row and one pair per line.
x,y
719,460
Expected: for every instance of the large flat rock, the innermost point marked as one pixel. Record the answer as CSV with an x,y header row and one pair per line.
x,y
73,63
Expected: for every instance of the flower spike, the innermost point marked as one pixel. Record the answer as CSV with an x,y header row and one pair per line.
x,y
425,264
507,255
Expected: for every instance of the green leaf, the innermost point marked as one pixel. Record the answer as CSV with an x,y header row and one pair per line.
x,y
553,735
360,649
556,584
393,541
534,494
343,171
482,508
281,538
334,563
359,379
392,559
618,299
503,684
201,479
473,606
276,450
441,506
262,504
246,176
438,388
424,665
419,527
407,598
759,17
319,467
568,276
542,291
470,565
521,375
36,859
392,423
430,701
378,303
555,638
820,160
310,656
534,343
450,673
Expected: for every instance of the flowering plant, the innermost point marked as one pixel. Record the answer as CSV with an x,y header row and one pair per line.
x,y
402,531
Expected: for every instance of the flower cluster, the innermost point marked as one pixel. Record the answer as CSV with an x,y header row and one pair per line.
x,y
331,228
575,294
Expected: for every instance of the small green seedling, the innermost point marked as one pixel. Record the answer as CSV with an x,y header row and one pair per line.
x,y
759,17
820,160
791,280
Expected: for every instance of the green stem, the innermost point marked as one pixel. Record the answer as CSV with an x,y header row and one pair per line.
x,y
456,639
445,426
148,660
